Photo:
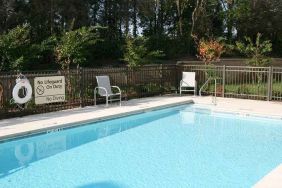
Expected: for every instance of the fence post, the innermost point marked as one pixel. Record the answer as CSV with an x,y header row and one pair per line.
x,y
81,93
161,78
126,83
269,84
223,80
176,77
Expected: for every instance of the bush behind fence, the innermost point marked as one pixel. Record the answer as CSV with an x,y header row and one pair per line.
x,y
262,83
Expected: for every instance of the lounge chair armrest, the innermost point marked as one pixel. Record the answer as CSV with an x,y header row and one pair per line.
x,y
181,82
100,88
117,88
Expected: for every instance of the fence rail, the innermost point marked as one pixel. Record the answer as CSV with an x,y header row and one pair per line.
x,y
260,83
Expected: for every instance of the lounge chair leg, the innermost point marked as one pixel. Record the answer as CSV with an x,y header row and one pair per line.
x,y
120,100
107,101
95,96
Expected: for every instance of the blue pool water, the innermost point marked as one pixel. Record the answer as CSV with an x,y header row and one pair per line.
x,y
179,147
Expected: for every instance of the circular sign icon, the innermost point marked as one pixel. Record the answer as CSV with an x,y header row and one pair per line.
x,y
40,90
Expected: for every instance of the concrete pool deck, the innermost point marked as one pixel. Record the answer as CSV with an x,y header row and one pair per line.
x,y
33,124
271,180
243,107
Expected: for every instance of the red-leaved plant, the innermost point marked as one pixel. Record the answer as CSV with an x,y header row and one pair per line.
x,y
210,50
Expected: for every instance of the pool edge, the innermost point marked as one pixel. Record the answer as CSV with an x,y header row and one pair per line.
x,y
20,134
272,179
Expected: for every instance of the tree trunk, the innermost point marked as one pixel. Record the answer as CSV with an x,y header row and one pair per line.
x,y
180,18
230,21
51,17
126,17
135,18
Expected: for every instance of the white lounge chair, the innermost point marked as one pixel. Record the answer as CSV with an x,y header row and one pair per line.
x,y
188,82
105,89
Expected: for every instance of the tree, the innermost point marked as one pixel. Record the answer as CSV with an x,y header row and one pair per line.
x,y
137,54
257,52
17,52
181,5
73,46
171,26
261,17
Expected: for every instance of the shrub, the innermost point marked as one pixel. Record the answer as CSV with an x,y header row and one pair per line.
x,y
14,47
137,54
73,46
210,50
18,51
257,52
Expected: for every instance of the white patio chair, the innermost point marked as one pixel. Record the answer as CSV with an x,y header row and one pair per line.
x,y
105,89
188,82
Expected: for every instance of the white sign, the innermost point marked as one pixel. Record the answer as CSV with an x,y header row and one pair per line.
x,y
49,89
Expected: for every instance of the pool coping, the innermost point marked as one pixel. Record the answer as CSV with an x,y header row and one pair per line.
x,y
7,129
16,133
238,112
271,180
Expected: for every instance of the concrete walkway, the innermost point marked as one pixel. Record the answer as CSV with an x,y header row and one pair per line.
x,y
32,124
271,180
243,106
42,122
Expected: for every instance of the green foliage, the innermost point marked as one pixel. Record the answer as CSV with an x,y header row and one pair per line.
x,y
137,54
211,71
74,46
166,24
17,52
13,48
257,52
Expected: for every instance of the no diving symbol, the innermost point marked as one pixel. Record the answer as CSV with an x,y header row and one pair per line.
x,y
40,90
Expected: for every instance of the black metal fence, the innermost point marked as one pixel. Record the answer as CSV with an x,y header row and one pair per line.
x,y
80,83
262,83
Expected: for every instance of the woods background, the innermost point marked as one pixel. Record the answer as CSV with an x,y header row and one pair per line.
x,y
161,25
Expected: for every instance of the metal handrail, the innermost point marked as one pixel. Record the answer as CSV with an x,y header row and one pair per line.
x,y
214,101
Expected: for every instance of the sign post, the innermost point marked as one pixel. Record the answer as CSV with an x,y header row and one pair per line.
x,y
49,89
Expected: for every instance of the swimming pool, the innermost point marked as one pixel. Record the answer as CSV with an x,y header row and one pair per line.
x,y
176,147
